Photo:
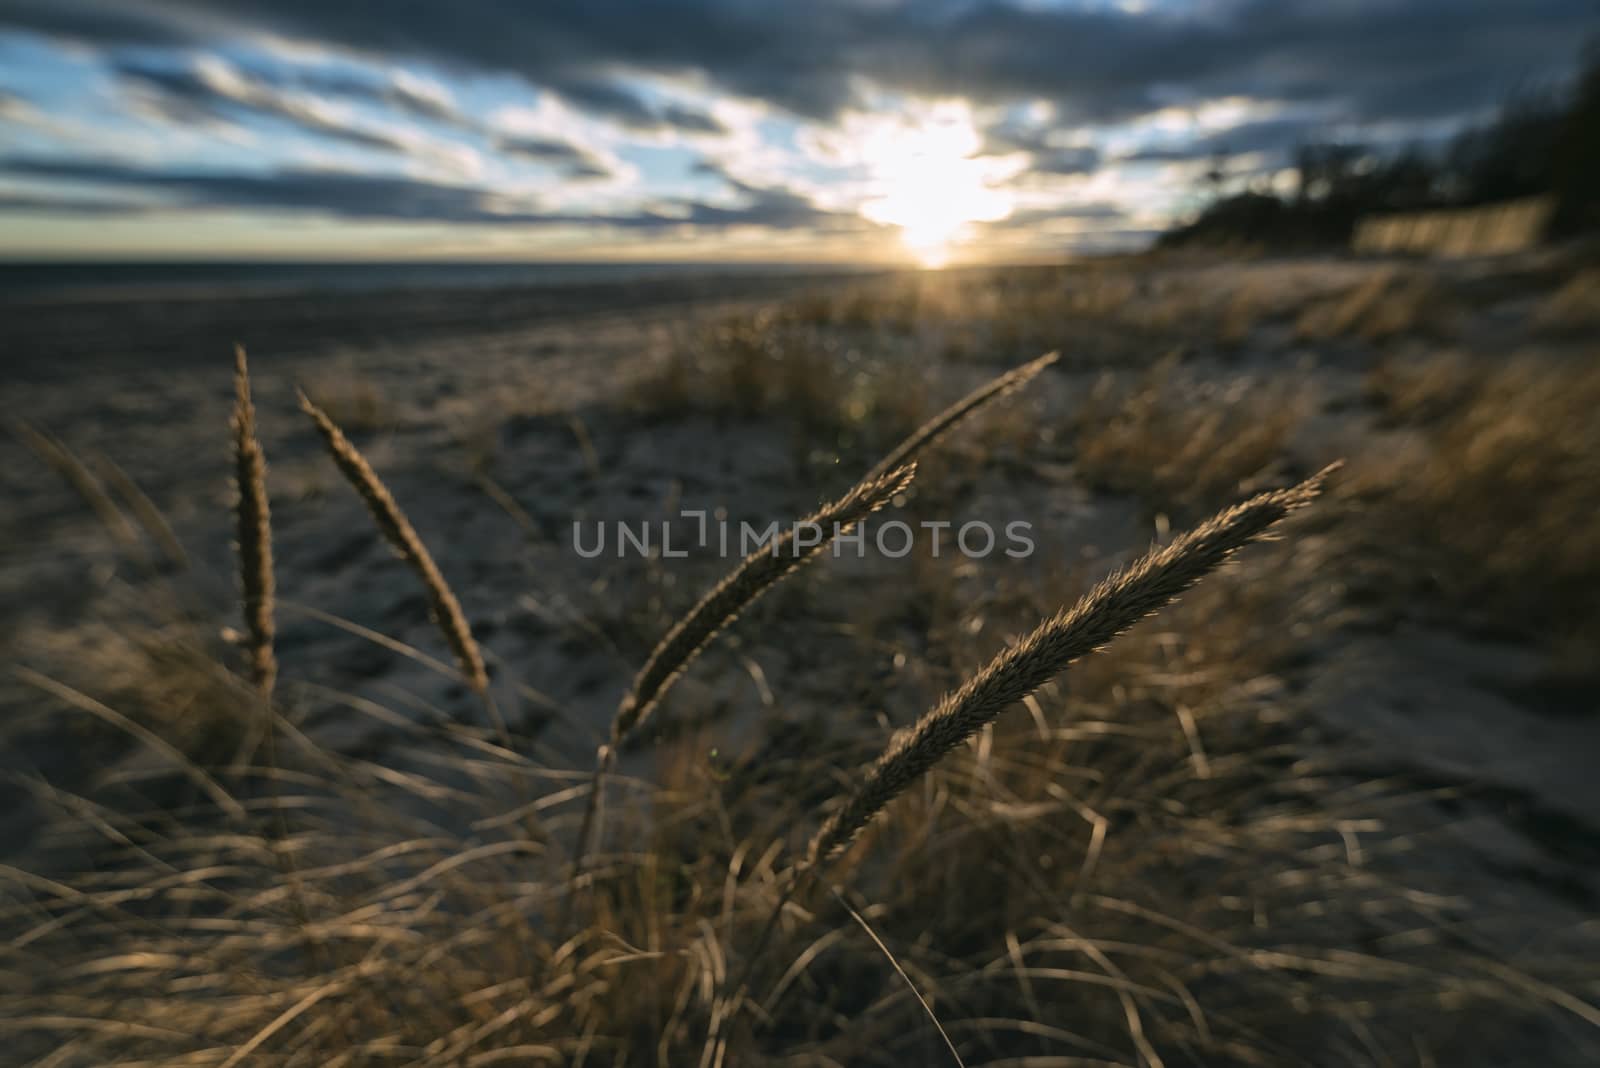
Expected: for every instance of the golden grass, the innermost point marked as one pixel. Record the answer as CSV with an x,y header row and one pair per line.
x,y
1112,607
1145,869
1490,508
1574,308
751,578
1182,446
253,517
1393,302
391,521
55,454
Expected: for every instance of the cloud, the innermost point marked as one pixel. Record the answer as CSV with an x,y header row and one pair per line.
x,y
1082,159
15,107
612,101
1274,139
1089,211
681,117
359,196
347,194
1086,88
208,88
35,203
571,160
778,209
399,91
1382,58
765,205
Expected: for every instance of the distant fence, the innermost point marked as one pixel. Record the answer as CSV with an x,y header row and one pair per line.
x,y
1507,227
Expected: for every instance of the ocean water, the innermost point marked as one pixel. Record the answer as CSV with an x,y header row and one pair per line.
x,y
139,281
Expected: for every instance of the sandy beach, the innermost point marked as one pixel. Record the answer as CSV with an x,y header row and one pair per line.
x,y
502,418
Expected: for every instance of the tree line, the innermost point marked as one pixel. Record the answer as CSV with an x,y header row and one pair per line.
x,y
1539,143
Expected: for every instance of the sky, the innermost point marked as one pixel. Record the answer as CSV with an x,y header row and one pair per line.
x,y
921,131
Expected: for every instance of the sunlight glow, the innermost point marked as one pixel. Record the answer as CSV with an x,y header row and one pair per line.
x,y
927,178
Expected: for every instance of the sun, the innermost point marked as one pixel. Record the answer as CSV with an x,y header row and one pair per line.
x,y
927,178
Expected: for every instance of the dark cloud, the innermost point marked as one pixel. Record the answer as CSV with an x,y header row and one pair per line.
x,y
1274,138
615,102
775,208
190,93
764,205
1358,62
393,93
105,22
1044,158
690,120
1378,58
35,203
374,197
571,160
346,194
204,90
1098,211
609,100
1080,160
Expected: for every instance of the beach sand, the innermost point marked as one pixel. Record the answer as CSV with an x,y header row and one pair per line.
x,y
501,418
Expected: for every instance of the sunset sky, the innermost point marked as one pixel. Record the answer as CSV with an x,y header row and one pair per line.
x,y
816,130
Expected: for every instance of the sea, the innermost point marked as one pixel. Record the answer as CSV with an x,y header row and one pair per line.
x,y
227,280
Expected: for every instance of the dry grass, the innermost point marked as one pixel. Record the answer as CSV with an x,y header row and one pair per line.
x,y
443,606
1393,302
1145,869
1419,393
1109,609
253,519
945,421
754,575
56,455
1182,444
1574,309
1489,510
168,677
1164,878
759,367
351,396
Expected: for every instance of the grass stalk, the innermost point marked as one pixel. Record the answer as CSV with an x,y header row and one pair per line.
x,y
253,517
945,421
722,604
443,606
1113,606
755,574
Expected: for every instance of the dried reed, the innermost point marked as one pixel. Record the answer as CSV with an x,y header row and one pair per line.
x,y
941,424
754,575
1106,611
442,604
761,569
254,519
143,508
56,454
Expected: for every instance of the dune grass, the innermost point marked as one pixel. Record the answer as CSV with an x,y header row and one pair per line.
x,y
1142,867
1487,512
1184,447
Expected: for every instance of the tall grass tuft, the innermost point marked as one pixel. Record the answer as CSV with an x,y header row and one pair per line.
x,y
689,637
1106,611
254,519
442,603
